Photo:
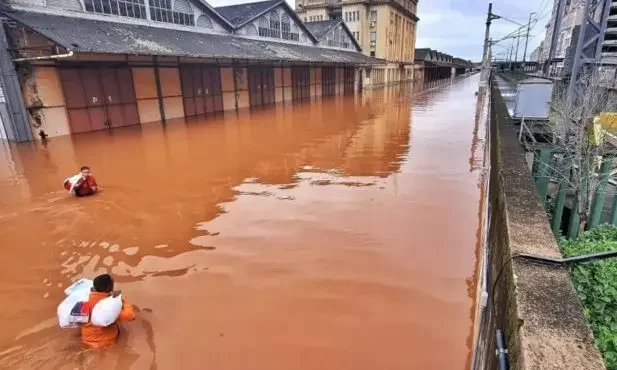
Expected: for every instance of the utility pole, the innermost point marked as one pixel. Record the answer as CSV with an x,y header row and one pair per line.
x,y
485,58
554,35
527,39
510,55
518,37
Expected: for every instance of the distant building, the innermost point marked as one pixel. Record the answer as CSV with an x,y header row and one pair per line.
x,y
565,43
537,55
431,65
565,46
384,29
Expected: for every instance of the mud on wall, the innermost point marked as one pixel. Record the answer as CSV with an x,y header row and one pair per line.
x,y
536,305
44,100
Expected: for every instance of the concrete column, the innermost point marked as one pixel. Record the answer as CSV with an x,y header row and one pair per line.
x,y
14,117
598,199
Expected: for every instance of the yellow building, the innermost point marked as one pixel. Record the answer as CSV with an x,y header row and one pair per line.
x,y
384,29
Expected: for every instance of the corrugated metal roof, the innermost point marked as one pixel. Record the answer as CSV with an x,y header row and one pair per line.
x,y
242,13
88,35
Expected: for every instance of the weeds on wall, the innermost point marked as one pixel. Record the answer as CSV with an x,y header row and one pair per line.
x,y
596,284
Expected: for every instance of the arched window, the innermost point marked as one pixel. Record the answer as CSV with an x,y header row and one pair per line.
x,y
204,21
275,24
264,27
250,30
285,26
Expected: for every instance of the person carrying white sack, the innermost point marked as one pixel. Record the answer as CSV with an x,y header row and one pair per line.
x,y
103,336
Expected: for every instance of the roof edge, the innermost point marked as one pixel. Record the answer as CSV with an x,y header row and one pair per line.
x,y
213,11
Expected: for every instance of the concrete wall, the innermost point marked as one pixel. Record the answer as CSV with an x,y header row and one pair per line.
x,y
44,101
536,305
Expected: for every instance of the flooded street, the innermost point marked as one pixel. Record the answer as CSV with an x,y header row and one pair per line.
x,y
334,235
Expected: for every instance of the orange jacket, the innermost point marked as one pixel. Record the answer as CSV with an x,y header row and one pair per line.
x,y
99,336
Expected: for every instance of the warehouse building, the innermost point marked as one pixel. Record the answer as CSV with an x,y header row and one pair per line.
x,y
86,65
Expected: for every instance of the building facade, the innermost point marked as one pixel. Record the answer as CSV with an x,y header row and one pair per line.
x,y
384,29
572,16
86,65
567,35
537,53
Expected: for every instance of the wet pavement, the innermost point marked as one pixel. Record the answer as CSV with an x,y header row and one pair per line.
x,y
339,234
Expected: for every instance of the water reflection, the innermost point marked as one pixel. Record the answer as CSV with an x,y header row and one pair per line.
x,y
285,230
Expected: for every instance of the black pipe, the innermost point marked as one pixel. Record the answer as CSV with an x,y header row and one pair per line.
x,y
569,261
502,351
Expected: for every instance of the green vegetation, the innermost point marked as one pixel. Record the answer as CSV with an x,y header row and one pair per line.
x,y
596,284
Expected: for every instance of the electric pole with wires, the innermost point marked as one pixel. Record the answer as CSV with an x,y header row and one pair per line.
x,y
527,39
486,62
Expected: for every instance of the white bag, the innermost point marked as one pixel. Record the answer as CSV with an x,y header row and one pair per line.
x,y
65,307
106,311
81,284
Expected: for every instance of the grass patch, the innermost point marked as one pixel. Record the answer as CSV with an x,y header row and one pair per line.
x,y
596,285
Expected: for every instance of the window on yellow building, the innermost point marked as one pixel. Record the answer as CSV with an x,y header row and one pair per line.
x,y
373,15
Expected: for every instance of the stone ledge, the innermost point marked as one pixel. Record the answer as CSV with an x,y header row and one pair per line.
x,y
536,304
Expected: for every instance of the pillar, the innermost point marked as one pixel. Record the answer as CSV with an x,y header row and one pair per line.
x,y
598,199
12,110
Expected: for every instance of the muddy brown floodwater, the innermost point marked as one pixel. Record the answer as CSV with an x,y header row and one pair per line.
x,y
331,235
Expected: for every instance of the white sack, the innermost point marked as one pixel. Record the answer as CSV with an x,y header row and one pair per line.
x,y
65,307
80,284
106,311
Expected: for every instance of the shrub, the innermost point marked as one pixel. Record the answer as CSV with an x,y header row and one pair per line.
x,y
596,284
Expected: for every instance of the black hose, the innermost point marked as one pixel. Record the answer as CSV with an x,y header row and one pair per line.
x,y
502,351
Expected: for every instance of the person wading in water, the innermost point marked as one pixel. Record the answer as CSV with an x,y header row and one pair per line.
x,y
82,184
98,336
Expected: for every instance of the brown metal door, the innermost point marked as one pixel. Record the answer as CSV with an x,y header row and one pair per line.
x,y
198,91
306,80
91,84
113,102
348,80
325,81
75,98
255,92
207,76
127,96
295,81
268,85
217,92
98,98
301,79
186,79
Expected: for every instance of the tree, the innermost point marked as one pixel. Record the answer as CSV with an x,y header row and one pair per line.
x,y
581,144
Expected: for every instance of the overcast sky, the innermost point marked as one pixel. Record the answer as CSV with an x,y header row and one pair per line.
x,y
456,27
